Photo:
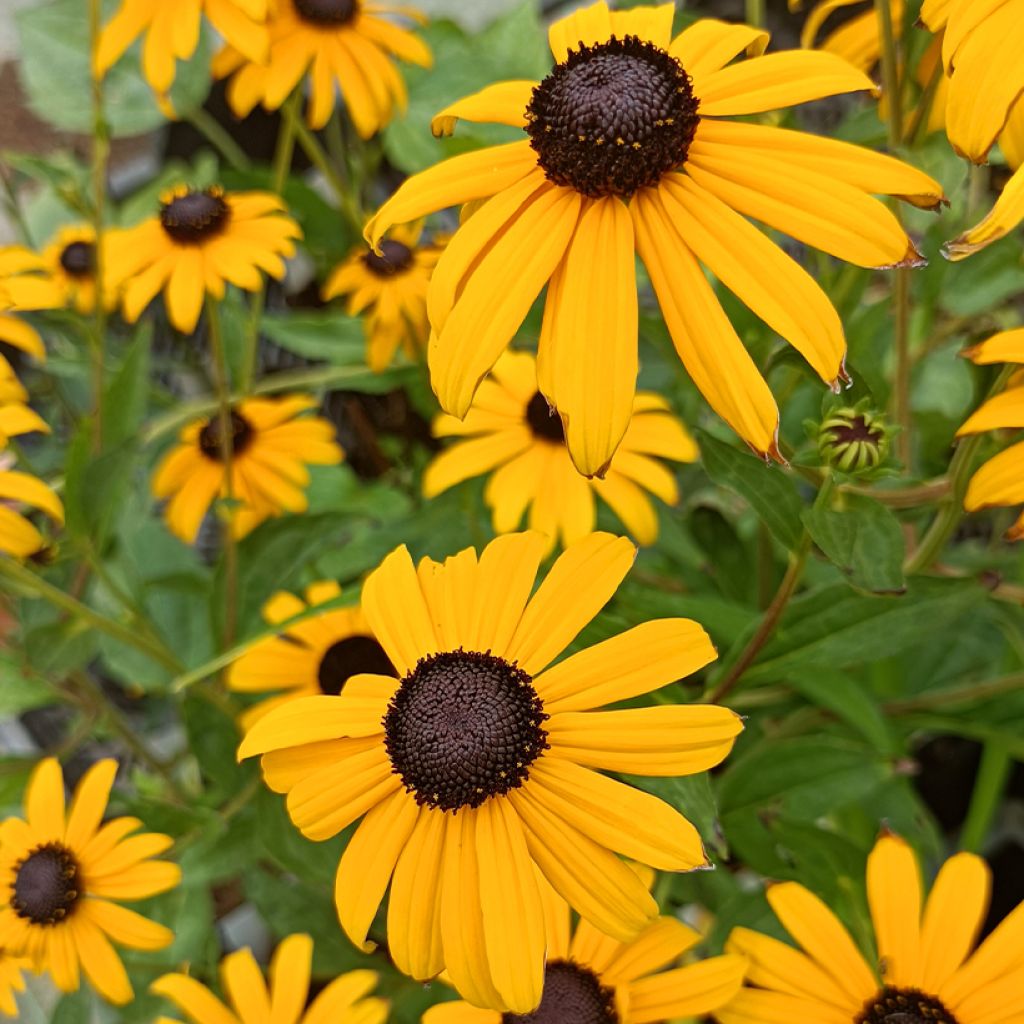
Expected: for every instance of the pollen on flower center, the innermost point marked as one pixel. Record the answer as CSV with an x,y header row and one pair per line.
x,y
572,995
613,117
211,443
327,13
46,885
463,727
393,259
195,216
78,259
545,424
350,657
904,1006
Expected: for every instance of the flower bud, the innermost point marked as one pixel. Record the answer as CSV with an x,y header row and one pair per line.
x,y
853,440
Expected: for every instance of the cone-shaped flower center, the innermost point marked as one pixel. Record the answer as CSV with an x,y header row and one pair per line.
x,y
78,259
904,1006
464,727
613,117
348,658
46,885
393,259
195,216
326,13
544,422
211,443
572,995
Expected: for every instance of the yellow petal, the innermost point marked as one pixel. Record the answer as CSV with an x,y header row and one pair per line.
x,y
501,103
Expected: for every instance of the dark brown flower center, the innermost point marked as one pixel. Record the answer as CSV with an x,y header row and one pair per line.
x,y
904,1006
545,423
46,885
857,429
211,442
393,259
78,259
613,117
464,727
348,658
196,216
572,995
326,13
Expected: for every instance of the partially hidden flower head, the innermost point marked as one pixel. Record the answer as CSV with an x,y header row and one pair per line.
x,y
981,45
511,432
1000,481
591,978
342,45
171,29
200,241
22,289
317,655
271,444
12,980
389,290
629,149
482,762
63,877
922,967
283,998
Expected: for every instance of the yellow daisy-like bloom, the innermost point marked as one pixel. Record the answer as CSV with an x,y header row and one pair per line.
x,y
390,290
270,449
343,45
11,980
171,28
1000,481
924,969
981,46
69,261
18,535
481,763
511,430
21,287
628,151
591,978
62,877
312,657
200,241
283,1000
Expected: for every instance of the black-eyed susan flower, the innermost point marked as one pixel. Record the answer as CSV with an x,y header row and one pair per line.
x,y
22,493
482,763
69,260
629,149
201,240
390,291
342,45
318,655
63,877
171,29
252,1000
591,978
271,445
23,289
1000,481
511,432
12,980
921,968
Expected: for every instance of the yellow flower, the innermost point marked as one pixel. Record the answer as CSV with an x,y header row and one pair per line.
x,y
659,171
390,290
1000,481
591,978
343,45
922,968
11,981
172,28
511,430
62,877
18,536
69,260
316,656
200,241
22,287
477,766
283,1000
270,449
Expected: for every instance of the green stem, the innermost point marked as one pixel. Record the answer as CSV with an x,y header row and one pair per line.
x,y
993,773
755,13
901,378
891,71
968,693
36,585
918,127
218,137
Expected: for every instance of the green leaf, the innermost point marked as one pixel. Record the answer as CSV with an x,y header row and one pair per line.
x,y
848,699
863,539
767,489
76,1008
690,795
126,397
20,692
213,738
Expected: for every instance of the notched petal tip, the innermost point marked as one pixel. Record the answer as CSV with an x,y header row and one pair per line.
x,y
912,261
772,454
960,248
443,125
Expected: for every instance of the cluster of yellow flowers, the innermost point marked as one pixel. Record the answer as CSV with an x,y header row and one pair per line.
x,y
443,716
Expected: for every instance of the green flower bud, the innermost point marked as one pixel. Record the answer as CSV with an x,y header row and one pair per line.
x,y
854,440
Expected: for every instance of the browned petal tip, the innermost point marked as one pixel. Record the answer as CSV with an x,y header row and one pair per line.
x,y
959,248
772,454
913,259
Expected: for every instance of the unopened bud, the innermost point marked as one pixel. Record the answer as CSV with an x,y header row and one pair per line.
x,y
853,440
